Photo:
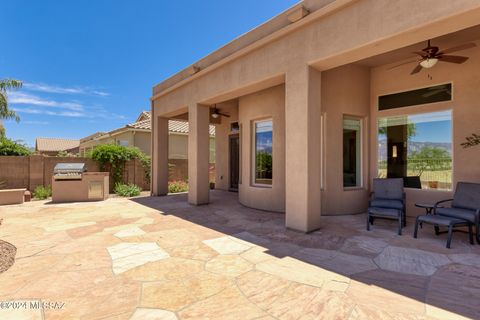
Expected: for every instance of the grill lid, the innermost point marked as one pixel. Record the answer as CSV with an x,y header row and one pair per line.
x,y
70,167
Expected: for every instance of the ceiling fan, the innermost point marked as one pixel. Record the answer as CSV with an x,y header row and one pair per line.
x,y
216,113
432,54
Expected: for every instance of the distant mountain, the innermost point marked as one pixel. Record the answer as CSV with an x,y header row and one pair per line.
x,y
413,146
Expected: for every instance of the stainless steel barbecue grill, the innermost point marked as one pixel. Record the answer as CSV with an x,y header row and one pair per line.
x,y
69,171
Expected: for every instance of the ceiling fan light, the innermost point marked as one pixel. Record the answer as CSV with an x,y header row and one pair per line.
x,y
215,115
428,63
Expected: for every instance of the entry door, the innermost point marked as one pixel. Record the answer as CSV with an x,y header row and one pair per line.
x,y
234,161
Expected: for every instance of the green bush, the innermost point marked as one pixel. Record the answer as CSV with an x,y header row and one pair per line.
x,y
112,158
177,186
9,147
127,190
42,192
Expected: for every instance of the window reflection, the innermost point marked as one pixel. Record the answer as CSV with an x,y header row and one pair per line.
x,y
417,148
263,152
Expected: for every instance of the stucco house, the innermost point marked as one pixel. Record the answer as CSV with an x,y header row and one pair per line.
x,y
138,134
52,146
325,97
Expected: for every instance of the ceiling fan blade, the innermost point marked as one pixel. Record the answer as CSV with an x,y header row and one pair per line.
x,y
401,64
224,114
459,48
453,59
417,69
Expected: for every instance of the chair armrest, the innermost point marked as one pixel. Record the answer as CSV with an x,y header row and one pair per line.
x,y
371,197
442,201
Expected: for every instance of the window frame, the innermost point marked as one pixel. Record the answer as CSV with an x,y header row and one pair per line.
x,y
254,153
446,106
361,120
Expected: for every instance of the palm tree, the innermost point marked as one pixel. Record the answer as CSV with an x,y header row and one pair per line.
x,y
5,113
7,84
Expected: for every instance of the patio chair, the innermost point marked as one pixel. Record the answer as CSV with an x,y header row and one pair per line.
x,y
387,201
465,205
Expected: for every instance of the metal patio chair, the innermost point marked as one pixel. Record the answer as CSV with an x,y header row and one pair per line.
x,y
387,201
465,205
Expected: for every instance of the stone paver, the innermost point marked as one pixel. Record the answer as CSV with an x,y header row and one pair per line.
x,y
411,261
127,255
160,258
153,314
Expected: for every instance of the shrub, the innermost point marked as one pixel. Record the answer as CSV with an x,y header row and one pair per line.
x,y
146,162
42,193
127,190
177,186
112,158
9,147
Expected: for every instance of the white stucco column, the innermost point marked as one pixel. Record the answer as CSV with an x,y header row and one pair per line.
x,y
303,149
198,154
160,159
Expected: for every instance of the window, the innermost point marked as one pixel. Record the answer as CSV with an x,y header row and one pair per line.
x,y
433,94
352,152
263,136
123,143
418,148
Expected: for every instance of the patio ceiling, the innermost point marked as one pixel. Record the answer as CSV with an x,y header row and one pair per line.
x,y
404,54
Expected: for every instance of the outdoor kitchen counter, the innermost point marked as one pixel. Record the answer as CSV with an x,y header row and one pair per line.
x,y
93,186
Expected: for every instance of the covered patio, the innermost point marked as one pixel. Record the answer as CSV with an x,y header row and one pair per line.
x,y
166,259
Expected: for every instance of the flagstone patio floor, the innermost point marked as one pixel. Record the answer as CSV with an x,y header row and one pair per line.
x,y
160,258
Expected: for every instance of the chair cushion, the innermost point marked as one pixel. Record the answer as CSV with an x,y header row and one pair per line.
x,y
458,213
467,196
388,188
386,203
385,212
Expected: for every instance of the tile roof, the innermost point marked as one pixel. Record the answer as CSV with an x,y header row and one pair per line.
x,y
55,144
92,136
173,126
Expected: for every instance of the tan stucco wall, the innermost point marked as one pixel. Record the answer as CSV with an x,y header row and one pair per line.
x,y
345,91
125,136
266,104
177,146
466,114
142,141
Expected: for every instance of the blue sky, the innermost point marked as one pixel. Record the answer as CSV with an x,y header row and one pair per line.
x,y
90,65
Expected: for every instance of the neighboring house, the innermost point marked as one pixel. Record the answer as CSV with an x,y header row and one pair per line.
x,y
52,146
138,134
325,97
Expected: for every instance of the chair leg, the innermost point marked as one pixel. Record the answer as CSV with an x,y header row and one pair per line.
x,y
478,234
400,225
368,222
449,239
470,233
416,228
437,230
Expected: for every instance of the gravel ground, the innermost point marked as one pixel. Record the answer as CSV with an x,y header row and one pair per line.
x,y
7,255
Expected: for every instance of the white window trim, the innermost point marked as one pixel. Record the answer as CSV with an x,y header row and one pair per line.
x,y
254,153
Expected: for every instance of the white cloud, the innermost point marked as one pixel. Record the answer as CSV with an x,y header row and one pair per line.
x,y
63,90
73,114
16,97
